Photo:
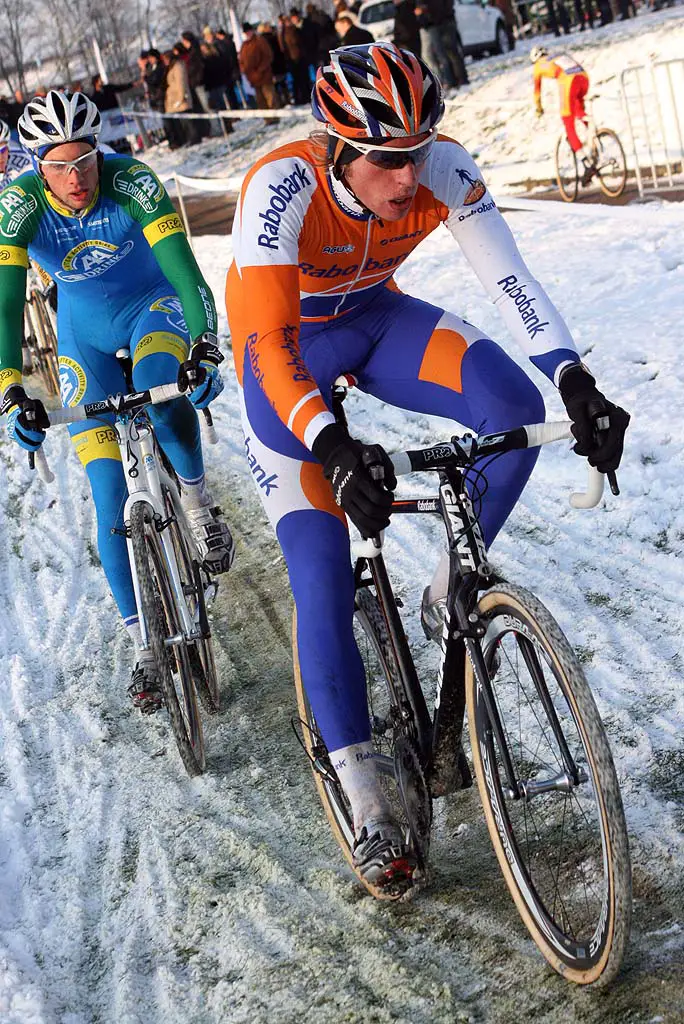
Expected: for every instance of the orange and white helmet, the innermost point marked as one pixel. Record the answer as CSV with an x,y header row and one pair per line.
x,y
376,91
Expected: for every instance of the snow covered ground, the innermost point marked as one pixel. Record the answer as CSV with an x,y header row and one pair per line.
x,y
131,894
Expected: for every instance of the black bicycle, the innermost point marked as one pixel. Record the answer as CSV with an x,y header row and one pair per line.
x,y
539,749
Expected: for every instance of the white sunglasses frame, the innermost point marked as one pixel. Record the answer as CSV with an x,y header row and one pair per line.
x,y
65,167
369,147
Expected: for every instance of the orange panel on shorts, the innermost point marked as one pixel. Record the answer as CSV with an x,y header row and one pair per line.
x,y
442,359
318,491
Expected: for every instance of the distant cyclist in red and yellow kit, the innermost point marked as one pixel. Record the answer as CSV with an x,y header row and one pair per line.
x,y
573,84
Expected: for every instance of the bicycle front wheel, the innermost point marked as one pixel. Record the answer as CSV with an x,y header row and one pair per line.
x,y
164,631
558,826
611,166
567,174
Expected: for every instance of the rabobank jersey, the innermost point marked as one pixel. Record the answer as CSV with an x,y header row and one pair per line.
x,y
108,261
306,251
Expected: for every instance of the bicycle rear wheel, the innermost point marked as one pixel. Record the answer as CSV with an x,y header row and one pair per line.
x,y
561,842
164,632
381,674
44,347
567,174
611,166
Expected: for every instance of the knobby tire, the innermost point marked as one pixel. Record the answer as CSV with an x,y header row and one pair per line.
x,y
162,621
575,903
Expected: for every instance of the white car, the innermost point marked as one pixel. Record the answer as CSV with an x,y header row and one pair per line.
x,y
481,27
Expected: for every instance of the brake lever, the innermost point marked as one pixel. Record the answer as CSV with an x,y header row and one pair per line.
x,y
603,423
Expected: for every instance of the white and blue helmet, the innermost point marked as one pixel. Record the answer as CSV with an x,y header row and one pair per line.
x,y
58,118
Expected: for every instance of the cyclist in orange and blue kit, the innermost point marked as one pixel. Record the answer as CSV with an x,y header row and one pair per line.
x,y
318,235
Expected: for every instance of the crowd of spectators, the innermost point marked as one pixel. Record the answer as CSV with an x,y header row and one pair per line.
x,y
279,62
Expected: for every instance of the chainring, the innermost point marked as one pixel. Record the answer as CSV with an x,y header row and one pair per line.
x,y
415,795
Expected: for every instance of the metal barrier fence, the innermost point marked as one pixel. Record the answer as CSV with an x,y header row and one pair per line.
x,y
199,185
638,214
653,101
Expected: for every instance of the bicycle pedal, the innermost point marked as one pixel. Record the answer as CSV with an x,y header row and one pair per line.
x,y
148,703
397,879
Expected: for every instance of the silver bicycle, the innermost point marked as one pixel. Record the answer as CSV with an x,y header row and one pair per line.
x,y
173,590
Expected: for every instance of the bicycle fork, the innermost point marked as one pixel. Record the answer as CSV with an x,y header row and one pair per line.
x,y
463,634
141,470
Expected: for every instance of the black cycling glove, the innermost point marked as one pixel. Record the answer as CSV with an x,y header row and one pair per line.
x,y
199,375
585,404
362,477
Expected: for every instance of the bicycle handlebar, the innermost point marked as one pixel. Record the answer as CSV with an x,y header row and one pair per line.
x,y
529,436
116,404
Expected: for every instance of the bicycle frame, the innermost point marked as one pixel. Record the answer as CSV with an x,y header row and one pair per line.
x,y
439,738
145,476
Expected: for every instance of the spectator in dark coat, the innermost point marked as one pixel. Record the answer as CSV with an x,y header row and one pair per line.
x,y
213,72
349,32
194,64
311,32
104,96
326,35
406,28
297,59
226,46
444,49
153,77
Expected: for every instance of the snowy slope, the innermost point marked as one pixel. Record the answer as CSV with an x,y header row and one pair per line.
x,y
133,895
494,117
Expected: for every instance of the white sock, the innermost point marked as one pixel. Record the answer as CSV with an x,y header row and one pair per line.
x,y
135,633
356,770
440,581
194,493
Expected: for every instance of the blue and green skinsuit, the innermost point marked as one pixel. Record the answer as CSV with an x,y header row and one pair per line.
x,y
126,277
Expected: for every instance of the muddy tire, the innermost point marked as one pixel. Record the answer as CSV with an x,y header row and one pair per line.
x,y
162,622
561,843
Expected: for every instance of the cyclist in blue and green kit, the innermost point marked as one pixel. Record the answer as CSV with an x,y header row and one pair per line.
x,y
106,231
